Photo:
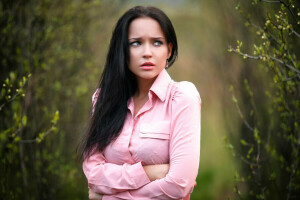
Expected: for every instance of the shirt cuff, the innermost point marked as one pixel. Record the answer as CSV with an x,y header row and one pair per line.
x,y
140,177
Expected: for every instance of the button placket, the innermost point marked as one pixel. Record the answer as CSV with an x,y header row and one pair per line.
x,y
134,123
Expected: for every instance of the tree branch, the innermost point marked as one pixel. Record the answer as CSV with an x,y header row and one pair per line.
x,y
37,138
13,98
287,65
260,57
270,1
241,115
297,34
285,5
294,168
293,77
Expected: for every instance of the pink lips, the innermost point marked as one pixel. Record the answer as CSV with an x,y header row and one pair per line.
x,y
147,66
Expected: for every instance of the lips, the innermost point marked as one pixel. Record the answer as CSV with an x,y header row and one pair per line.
x,y
147,66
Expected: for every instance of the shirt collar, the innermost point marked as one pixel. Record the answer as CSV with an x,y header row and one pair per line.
x,y
160,85
159,88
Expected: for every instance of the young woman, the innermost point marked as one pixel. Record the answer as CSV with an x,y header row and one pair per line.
x,y
143,141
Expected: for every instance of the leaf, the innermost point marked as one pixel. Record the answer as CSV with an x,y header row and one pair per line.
x,y
243,142
24,120
55,118
234,99
17,139
41,135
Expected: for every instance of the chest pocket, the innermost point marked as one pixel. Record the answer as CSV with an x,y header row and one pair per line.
x,y
158,129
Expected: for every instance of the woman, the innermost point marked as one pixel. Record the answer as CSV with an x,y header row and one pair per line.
x,y
143,141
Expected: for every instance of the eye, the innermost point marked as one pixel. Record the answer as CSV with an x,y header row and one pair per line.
x,y
158,43
135,43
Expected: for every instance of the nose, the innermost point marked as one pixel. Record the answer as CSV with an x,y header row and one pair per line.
x,y
147,51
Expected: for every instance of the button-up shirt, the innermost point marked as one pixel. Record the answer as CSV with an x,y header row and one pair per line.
x,y
165,130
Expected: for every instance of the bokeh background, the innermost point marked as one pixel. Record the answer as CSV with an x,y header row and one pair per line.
x,y
54,51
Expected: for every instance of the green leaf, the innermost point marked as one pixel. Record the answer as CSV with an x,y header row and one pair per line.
x,y
24,120
41,135
17,139
234,99
55,118
243,142
256,135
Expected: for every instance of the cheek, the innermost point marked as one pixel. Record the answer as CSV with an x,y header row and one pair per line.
x,y
133,60
163,57
133,57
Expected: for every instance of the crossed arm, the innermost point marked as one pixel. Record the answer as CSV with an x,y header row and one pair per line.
x,y
153,172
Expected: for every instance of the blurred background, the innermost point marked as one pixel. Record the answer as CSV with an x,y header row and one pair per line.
x,y
53,52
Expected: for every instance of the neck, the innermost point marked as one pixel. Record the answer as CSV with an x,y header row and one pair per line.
x,y
144,86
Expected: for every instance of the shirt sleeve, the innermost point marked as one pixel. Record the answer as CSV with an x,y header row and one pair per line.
x,y
184,150
108,178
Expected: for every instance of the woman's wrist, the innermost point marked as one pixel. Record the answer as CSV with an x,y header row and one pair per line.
x,y
156,171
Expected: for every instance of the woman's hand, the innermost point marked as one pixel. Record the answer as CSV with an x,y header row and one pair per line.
x,y
156,171
94,196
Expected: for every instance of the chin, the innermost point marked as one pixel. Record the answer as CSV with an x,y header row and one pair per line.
x,y
147,75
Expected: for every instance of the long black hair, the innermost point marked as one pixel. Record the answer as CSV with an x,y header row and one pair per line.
x,y
118,83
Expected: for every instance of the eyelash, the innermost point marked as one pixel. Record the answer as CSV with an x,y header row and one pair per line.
x,y
160,43
135,43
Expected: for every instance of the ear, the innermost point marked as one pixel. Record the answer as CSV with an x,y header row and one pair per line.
x,y
170,46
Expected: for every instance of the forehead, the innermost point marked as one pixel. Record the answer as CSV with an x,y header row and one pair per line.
x,y
145,26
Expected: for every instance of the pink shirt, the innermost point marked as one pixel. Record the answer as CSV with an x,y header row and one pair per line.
x,y
165,130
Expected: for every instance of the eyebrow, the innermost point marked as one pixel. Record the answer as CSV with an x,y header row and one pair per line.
x,y
138,38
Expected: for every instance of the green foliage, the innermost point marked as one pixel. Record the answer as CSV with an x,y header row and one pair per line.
x,y
44,54
269,146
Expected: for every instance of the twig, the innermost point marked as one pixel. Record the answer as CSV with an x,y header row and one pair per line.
x,y
287,65
294,168
15,96
246,55
242,116
260,57
37,138
293,77
237,192
297,34
258,153
247,162
270,1
282,2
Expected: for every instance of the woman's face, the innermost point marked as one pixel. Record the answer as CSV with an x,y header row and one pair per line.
x,y
148,48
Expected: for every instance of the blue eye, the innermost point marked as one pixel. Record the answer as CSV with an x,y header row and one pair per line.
x,y
135,43
158,43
